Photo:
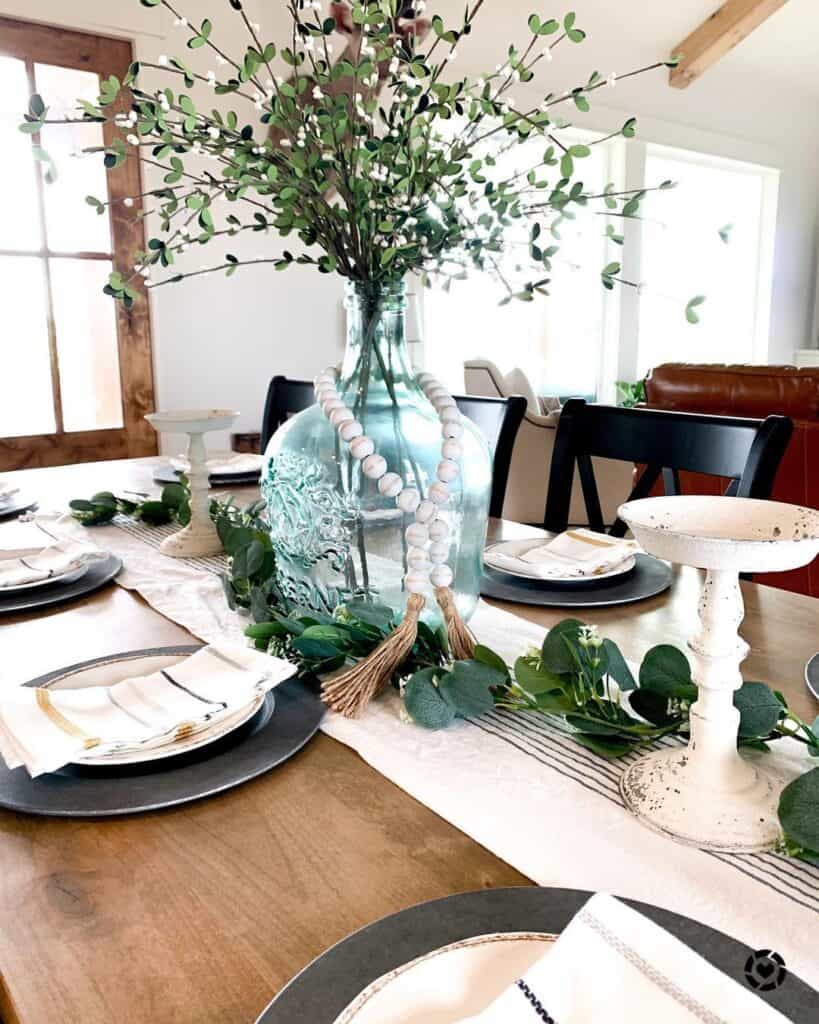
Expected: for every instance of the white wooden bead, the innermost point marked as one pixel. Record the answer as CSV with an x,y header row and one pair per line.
x,y
417,558
447,471
416,581
330,405
443,402
450,415
439,530
326,395
439,493
438,552
436,391
424,378
441,576
408,500
350,431
325,378
374,467
338,417
452,449
417,535
361,447
390,484
426,512
452,430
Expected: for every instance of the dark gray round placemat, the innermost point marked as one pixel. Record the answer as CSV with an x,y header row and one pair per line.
x,y
649,578
98,575
324,988
168,475
17,507
262,743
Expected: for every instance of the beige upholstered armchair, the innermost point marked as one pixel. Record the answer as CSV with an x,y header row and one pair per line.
x,y
532,457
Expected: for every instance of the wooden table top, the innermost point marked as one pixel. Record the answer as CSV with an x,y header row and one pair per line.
x,y
200,914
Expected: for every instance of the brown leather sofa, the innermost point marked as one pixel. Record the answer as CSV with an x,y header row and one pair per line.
x,y
756,391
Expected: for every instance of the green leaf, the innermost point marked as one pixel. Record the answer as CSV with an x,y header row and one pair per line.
x,y
576,35
555,653
799,810
534,24
629,129
150,3
579,151
535,679
371,613
489,657
651,705
566,165
468,687
759,709
690,310
665,669
315,649
618,669
549,27
725,233
424,703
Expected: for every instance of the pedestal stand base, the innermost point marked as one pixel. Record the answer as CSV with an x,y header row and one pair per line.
x,y
663,792
192,541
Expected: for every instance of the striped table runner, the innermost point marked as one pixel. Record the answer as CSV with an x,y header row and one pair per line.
x,y
519,785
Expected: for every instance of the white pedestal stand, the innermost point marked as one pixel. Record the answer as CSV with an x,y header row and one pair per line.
x,y
707,794
199,538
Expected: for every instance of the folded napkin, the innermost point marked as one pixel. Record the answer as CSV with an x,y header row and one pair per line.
x,y
24,558
7,492
576,553
243,463
612,964
45,729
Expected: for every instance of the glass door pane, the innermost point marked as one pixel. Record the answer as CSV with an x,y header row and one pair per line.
x,y
19,211
86,328
26,402
71,224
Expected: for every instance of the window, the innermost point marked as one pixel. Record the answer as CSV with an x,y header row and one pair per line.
x,y
556,341
713,235
77,376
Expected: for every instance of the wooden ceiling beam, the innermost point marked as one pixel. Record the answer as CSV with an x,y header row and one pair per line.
x,y
726,27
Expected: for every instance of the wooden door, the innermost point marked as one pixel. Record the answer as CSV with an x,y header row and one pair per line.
x,y
76,375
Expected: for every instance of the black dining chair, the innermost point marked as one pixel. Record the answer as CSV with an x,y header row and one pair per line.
x,y
499,420
285,398
748,451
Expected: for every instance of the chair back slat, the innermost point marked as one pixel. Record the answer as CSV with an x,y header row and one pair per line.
x,y
284,399
498,419
747,451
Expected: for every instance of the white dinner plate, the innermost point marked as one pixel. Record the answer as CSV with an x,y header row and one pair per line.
x,y
121,667
556,576
64,577
448,984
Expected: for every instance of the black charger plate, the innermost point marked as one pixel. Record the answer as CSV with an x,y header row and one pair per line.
x,y
330,983
17,506
649,577
169,475
99,574
85,791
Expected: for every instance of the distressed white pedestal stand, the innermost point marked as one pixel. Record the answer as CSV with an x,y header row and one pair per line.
x,y
199,538
707,794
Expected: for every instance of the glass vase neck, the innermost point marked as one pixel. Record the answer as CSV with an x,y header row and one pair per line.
x,y
377,357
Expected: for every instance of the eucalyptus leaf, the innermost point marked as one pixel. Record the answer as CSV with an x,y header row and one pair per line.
x,y
424,703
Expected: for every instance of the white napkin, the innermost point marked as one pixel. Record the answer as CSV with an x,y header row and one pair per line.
x,y
7,492
32,563
577,553
44,729
228,464
612,964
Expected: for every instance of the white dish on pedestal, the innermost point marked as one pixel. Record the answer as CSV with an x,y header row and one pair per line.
x,y
707,794
199,538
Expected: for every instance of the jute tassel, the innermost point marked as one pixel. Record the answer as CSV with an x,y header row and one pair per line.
x,y
461,641
352,691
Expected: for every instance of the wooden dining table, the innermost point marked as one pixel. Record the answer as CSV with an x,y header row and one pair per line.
x,y
202,913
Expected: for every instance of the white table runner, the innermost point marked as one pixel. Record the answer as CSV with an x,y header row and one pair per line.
x,y
518,784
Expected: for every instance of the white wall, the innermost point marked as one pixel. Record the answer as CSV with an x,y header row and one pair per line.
x,y
217,342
